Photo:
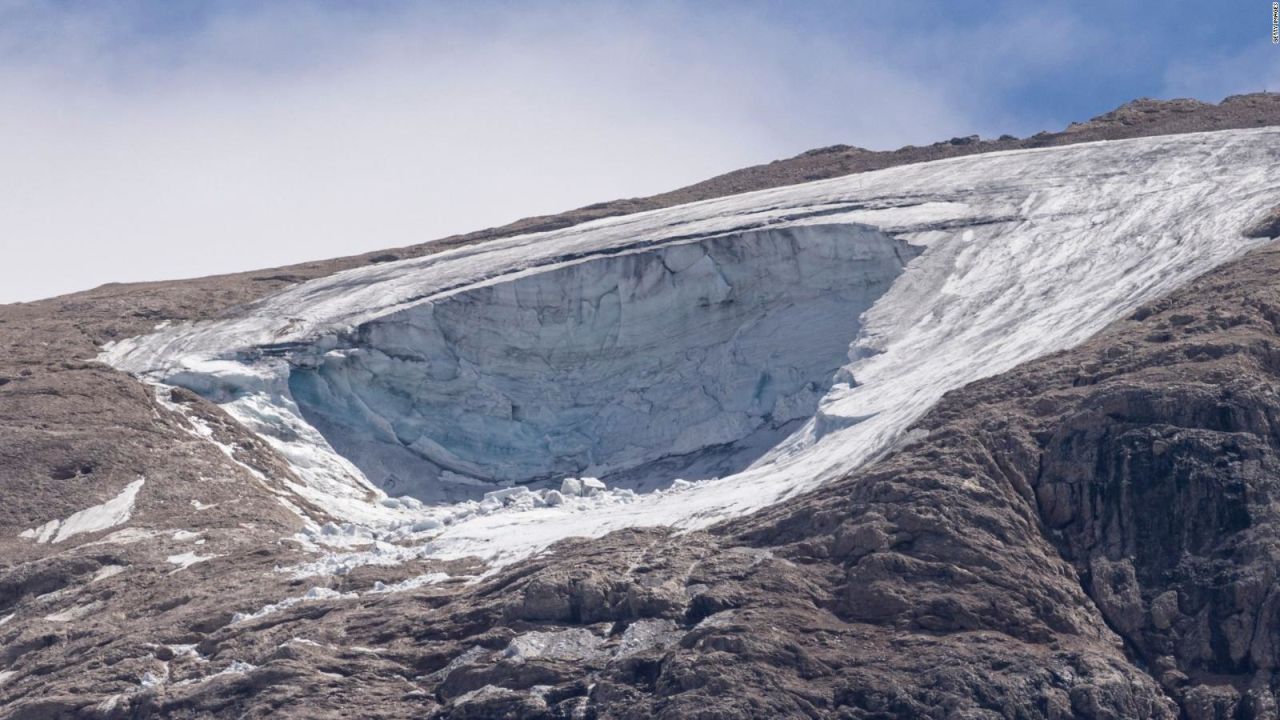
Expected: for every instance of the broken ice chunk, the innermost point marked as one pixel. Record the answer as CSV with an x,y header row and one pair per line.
x,y
581,487
507,495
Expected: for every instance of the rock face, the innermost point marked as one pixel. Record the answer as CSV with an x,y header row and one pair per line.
x,y
1150,455
1089,535
1268,226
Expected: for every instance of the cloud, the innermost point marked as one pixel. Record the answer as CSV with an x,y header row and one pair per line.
x,y
1254,68
148,140
141,147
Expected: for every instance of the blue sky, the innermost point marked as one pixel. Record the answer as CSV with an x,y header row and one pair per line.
x,y
149,140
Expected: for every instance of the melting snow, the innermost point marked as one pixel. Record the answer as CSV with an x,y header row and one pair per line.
x,y
115,511
107,571
412,583
125,536
151,679
74,613
187,559
315,593
182,649
237,667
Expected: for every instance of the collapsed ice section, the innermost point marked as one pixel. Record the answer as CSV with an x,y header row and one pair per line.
x,y
698,353
492,362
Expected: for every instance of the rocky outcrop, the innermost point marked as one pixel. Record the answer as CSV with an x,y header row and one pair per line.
x,y
1267,226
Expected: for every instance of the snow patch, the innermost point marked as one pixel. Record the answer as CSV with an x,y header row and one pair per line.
x,y
125,536
236,667
187,559
109,514
412,583
107,571
74,613
151,679
184,649
312,595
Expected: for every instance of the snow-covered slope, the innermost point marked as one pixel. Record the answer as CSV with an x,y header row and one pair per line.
x,y
695,340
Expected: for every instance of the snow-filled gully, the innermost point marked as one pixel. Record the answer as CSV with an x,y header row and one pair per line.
x,y
756,345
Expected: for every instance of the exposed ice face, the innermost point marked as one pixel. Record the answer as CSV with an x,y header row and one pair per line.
x,y
1025,253
699,354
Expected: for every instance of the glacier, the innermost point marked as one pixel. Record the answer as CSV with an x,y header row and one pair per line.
x,y
753,346
698,354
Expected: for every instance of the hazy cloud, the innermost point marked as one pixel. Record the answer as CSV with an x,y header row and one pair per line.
x,y
264,137
156,140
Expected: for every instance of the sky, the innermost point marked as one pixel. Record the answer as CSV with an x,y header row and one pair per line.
x,y
166,139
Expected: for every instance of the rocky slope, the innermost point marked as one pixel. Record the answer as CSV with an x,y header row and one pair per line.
x,y
1090,535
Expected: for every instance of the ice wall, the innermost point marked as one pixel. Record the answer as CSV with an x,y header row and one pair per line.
x,y
696,354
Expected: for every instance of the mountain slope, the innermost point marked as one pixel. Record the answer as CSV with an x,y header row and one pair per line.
x,y
689,342
1006,564
1001,560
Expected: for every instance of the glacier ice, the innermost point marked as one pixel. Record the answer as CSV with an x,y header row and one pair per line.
x,y
601,366
1016,254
